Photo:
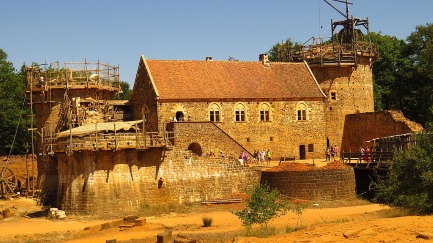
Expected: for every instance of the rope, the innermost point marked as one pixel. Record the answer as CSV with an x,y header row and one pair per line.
x,y
16,130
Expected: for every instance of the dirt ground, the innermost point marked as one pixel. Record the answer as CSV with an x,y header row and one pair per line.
x,y
324,221
364,223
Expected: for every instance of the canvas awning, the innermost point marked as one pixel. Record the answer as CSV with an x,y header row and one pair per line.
x,y
91,128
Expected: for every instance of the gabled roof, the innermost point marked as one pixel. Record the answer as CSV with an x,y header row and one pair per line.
x,y
216,80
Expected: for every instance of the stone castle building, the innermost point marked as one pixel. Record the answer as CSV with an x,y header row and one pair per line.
x,y
261,105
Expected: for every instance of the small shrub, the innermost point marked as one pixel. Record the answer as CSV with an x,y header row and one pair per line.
x,y
207,221
264,205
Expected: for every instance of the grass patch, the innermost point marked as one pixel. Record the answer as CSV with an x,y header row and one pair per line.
x,y
392,213
263,232
207,221
334,221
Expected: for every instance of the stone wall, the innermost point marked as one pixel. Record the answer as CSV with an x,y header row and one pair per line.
x,y
144,99
283,134
313,184
362,127
126,180
353,89
207,135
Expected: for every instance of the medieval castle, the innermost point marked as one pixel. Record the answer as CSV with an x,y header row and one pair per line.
x,y
96,154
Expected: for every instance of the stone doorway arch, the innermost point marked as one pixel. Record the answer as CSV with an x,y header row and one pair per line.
x,y
195,148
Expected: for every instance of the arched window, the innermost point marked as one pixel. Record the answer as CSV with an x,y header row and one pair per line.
x,y
214,113
264,112
301,111
240,112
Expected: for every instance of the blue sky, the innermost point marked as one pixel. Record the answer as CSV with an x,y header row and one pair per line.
x,y
119,32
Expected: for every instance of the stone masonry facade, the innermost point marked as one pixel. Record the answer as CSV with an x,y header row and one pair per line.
x,y
334,184
126,180
283,134
362,127
349,90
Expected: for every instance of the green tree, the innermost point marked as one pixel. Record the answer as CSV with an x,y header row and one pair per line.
x,y
389,72
418,104
284,46
13,122
410,179
126,91
263,206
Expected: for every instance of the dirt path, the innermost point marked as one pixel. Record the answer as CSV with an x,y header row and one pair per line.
x,y
357,223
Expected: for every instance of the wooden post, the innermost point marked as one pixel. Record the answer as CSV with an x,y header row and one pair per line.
x,y
96,136
115,139
144,126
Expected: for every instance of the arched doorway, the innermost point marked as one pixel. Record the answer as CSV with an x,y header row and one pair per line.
x,y
195,148
179,116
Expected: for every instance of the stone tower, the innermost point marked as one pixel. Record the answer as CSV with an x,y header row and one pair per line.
x,y
342,67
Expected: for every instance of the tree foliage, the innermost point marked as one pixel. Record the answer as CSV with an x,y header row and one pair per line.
x,y
263,206
13,120
410,179
126,91
273,52
389,72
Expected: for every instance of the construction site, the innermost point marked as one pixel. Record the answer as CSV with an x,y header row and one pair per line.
x,y
96,153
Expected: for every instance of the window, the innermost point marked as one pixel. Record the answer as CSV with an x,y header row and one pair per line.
x,y
214,113
301,111
239,113
333,96
310,147
264,112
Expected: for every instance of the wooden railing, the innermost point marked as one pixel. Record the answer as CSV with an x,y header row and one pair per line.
x,y
107,141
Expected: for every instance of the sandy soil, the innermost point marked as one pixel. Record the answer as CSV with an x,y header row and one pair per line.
x,y
366,223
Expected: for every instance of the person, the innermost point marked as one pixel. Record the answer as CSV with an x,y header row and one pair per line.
x,y
361,150
41,81
256,156
262,156
366,156
328,154
269,156
174,119
221,154
160,182
335,152
189,118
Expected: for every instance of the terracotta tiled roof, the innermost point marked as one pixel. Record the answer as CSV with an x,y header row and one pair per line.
x,y
232,80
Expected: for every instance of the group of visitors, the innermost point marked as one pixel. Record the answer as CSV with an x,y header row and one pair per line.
x,y
365,153
259,157
262,156
331,153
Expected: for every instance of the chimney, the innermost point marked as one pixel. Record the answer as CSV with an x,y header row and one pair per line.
x,y
208,58
264,59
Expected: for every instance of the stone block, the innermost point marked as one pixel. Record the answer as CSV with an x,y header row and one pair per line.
x,y
164,237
